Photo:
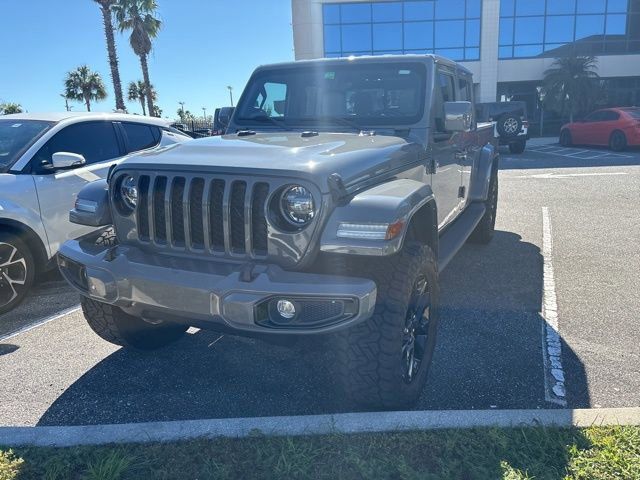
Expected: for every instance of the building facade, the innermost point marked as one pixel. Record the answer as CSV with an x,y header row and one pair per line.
x,y
507,44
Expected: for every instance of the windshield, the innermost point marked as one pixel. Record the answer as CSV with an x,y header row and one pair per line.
x,y
16,136
345,96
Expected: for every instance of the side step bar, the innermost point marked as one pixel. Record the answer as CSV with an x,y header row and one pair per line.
x,y
456,234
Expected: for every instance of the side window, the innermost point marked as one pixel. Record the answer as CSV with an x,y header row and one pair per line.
x,y
140,136
464,90
96,141
595,117
610,116
444,93
272,99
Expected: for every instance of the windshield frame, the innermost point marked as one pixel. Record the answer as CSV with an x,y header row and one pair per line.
x,y
47,126
332,123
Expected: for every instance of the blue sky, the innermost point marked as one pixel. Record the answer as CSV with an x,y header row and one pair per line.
x,y
204,45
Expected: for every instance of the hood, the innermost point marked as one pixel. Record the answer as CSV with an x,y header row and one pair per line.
x,y
356,158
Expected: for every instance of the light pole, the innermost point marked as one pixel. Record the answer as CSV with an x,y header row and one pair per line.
x,y
66,102
181,111
204,111
230,88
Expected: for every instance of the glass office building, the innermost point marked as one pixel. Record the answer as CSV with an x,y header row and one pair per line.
x,y
507,44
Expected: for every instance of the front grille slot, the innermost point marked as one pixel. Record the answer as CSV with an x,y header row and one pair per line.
x,y
143,207
177,213
236,216
200,213
196,220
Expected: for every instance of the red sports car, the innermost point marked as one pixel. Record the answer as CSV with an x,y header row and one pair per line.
x,y
615,127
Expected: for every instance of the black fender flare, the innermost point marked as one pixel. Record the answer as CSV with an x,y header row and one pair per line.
x,y
488,160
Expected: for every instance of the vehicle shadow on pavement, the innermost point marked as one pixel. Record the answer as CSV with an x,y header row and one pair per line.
x,y
489,355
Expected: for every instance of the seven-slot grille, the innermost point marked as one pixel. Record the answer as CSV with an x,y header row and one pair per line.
x,y
203,214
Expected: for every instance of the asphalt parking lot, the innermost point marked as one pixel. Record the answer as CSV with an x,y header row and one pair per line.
x,y
565,254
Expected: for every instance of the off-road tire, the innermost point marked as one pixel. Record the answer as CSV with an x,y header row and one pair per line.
x,y
509,125
565,138
369,355
483,233
618,141
12,245
117,327
517,147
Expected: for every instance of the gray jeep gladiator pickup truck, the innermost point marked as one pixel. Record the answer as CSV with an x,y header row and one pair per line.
x,y
339,192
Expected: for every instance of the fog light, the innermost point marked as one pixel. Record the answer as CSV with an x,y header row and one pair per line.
x,y
286,309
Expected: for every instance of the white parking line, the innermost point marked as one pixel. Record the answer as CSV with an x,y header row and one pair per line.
x,y
40,322
576,153
554,379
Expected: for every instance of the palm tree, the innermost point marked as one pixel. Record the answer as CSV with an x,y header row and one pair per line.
x,y
138,91
84,85
9,108
105,8
137,16
570,85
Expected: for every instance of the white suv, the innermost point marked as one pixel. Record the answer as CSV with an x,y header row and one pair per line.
x,y
45,159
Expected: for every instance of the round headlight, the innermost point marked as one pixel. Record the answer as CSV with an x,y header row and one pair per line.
x,y
129,192
297,205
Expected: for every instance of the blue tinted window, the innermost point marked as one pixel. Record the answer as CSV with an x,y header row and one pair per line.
x,y
505,52
449,9
472,54
356,13
591,6
589,25
418,35
452,53
555,7
529,29
530,7
474,9
449,34
616,24
387,36
332,38
552,46
527,50
506,31
331,13
507,8
387,12
356,38
332,55
559,29
618,6
472,38
418,11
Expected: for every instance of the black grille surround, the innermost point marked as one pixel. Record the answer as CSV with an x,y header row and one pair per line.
x,y
215,215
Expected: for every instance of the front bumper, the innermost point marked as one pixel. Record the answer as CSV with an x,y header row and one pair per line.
x,y
231,297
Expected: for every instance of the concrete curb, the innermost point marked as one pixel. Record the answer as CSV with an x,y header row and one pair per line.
x,y
310,425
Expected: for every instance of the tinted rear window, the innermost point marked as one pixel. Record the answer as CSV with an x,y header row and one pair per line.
x,y
16,136
633,113
141,137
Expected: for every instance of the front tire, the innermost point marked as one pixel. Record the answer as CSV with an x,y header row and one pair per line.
x,y
17,271
618,141
384,361
115,326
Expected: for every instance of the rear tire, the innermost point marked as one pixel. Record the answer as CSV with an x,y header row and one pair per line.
x,y
17,271
517,147
618,141
384,361
483,233
565,138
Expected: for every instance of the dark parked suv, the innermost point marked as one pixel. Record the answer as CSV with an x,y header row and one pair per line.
x,y
511,126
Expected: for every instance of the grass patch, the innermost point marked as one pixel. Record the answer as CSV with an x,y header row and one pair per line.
x,y
509,454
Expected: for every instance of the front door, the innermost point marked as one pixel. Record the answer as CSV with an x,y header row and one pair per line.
x,y
447,179
98,143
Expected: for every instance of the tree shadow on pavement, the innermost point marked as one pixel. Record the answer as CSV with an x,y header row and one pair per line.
x,y
489,355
